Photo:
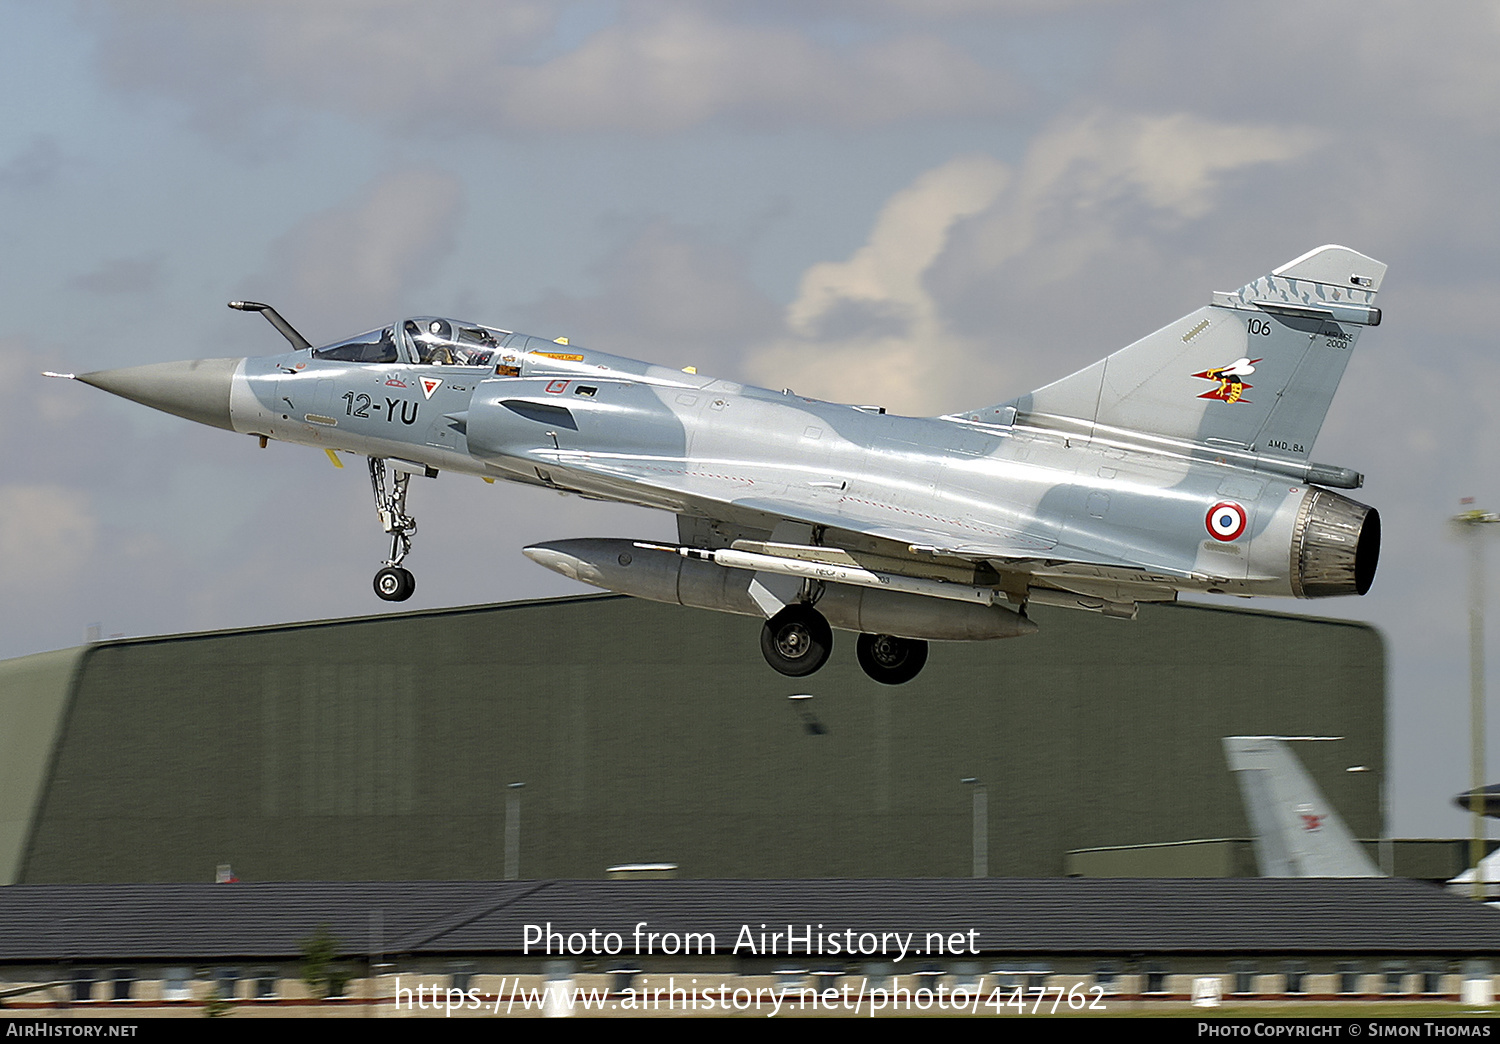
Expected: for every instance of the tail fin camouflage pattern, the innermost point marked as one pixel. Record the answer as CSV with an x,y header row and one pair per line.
x,y
1297,832
1254,371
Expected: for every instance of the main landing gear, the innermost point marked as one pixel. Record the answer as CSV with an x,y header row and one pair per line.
x,y
393,583
797,641
891,660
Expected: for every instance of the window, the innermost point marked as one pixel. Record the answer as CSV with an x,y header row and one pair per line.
x,y
1349,978
377,346
1029,975
83,984
1432,979
966,974
441,342
121,983
1244,976
1394,979
1007,978
790,978
827,977
226,983
1156,978
927,977
1107,976
265,984
174,985
1296,976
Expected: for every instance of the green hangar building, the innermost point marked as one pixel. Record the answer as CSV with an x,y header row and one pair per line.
x,y
388,748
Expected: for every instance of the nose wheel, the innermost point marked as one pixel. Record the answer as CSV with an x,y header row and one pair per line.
x,y
796,641
393,583
891,660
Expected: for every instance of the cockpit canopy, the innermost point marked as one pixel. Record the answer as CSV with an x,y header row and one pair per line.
x,y
377,346
424,340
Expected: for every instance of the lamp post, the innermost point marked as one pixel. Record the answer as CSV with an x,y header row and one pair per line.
x,y
1385,846
1470,522
513,831
981,828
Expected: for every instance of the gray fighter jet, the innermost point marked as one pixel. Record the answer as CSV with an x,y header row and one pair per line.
x,y
1179,463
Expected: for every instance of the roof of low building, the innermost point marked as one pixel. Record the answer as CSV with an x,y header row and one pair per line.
x,y
1052,916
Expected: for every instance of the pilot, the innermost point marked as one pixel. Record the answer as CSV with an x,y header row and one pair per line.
x,y
432,344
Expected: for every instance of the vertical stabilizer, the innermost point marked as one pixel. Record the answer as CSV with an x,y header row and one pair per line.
x,y
1253,371
1297,832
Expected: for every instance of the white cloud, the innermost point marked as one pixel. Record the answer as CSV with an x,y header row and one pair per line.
x,y
473,66
863,329
682,69
880,327
351,263
1085,176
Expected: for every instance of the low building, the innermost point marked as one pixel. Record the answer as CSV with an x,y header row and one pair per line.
x,y
491,948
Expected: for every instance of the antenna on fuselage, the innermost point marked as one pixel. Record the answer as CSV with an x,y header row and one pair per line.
x,y
274,318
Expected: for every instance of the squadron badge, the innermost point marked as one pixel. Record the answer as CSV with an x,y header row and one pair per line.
x,y
1231,381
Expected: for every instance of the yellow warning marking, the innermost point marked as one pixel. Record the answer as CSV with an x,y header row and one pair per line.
x,y
562,355
334,457
690,369
559,340
488,479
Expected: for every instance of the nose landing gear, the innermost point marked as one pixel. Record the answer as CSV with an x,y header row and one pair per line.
x,y
393,583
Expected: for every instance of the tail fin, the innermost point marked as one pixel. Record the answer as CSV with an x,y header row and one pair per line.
x,y
1253,371
1297,833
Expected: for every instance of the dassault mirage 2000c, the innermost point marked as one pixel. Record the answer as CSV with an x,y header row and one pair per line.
x,y
1179,463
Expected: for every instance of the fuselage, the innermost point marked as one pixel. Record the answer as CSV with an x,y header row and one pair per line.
x,y
1104,512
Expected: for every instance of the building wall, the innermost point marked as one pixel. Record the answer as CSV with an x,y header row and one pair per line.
x,y
381,748
469,987
34,692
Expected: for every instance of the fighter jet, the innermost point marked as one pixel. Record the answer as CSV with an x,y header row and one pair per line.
x,y
1179,463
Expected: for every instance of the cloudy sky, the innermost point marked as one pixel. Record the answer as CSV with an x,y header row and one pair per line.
x,y
931,204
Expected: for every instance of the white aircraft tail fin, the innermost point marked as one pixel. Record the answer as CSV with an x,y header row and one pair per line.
x,y
1254,371
1297,832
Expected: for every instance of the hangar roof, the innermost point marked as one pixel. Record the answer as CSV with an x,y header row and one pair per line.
x,y
1052,916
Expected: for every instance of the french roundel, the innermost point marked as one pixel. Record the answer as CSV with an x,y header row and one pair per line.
x,y
1225,521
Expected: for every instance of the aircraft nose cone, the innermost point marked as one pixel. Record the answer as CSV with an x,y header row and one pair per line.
x,y
197,389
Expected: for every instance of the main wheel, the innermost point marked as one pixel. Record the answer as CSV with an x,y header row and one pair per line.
x,y
796,641
395,584
891,660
